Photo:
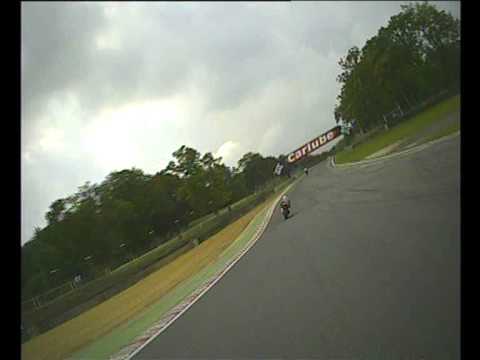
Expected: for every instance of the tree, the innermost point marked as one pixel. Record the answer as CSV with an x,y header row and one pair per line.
x,y
56,212
164,206
415,56
257,170
187,162
39,257
238,187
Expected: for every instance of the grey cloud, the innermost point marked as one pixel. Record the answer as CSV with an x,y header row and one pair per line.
x,y
57,38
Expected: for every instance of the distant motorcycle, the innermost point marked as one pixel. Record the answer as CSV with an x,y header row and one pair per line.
x,y
285,211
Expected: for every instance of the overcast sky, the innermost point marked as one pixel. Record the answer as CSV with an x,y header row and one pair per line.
x,y
111,86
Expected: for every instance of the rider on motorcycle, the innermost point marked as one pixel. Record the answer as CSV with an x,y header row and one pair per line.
x,y
285,205
285,201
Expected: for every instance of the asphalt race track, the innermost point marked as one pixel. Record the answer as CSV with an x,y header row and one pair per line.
x,y
368,267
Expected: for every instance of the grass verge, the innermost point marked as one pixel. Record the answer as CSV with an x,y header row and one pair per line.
x,y
78,332
405,129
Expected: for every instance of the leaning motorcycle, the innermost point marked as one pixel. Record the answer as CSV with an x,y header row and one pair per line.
x,y
285,211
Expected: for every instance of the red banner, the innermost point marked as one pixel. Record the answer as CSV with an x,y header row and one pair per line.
x,y
314,144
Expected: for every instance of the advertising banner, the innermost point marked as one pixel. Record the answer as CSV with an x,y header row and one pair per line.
x,y
314,144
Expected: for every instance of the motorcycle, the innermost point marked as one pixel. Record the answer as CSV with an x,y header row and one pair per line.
x,y
285,211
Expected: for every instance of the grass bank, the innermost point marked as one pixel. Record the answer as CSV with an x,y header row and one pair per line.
x,y
400,132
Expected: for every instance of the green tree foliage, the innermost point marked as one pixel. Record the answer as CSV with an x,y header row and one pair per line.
x,y
257,170
187,162
415,56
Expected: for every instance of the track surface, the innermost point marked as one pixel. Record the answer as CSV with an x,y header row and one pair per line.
x,y
368,267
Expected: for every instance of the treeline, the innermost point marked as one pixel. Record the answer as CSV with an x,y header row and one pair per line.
x,y
416,56
102,225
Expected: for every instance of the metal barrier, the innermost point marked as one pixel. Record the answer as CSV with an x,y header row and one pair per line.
x,y
43,299
398,114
